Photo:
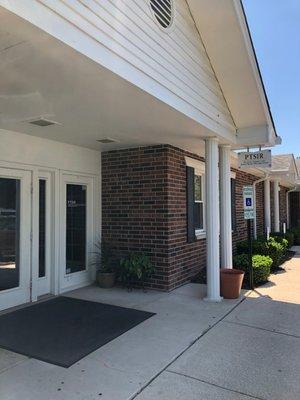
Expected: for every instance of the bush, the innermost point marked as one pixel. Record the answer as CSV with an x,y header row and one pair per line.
x,y
276,251
259,246
296,233
135,268
289,236
261,267
274,248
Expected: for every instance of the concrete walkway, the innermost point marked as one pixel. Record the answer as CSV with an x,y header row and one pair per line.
x,y
189,350
253,353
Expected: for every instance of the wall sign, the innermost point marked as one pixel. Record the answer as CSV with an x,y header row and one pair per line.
x,y
261,159
248,202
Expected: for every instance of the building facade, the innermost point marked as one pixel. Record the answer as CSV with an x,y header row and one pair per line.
x,y
119,121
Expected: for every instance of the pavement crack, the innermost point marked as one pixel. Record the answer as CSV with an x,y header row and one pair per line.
x,y
215,385
262,329
187,348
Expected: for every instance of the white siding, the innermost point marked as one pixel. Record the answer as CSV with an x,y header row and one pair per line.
x,y
175,59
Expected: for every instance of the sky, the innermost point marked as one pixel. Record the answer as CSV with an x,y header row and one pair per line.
x,y
275,31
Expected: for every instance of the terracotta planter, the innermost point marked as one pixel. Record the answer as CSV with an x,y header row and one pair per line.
x,y
106,279
231,282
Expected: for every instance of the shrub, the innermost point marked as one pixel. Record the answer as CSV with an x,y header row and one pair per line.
x,y
259,246
135,268
296,233
261,266
289,236
276,251
274,248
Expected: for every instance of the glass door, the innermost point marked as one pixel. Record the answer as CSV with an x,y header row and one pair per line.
x,y
15,237
44,228
77,230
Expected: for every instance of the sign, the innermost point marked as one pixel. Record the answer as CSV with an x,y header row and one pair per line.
x,y
261,159
248,202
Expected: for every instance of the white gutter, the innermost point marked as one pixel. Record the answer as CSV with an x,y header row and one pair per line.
x,y
254,196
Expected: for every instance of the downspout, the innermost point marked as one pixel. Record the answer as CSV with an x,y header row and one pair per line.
x,y
288,217
254,195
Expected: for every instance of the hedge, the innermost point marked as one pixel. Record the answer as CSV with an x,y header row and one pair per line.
x,y
261,266
274,247
296,233
289,236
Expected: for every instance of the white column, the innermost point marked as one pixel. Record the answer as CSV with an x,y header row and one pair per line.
x,y
267,204
225,207
212,220
276,206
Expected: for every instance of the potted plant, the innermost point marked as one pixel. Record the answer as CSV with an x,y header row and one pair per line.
x,y
231,281
105,263
136,268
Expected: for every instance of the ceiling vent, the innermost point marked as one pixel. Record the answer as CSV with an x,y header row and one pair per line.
x,y
163,12
106,140
43,122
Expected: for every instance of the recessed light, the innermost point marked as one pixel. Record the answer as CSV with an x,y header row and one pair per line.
x,y
107,140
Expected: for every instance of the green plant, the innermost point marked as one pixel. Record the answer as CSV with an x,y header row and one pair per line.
x,y
136,267
281,237
104,257
259,246
296,233
261,266
275,248
276,251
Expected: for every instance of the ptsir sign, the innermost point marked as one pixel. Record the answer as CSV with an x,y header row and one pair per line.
x,y
261,159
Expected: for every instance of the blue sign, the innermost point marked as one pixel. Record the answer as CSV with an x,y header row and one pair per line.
x,y
248,201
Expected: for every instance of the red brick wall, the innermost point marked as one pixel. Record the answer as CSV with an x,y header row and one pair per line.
x,y
144,209
135,204
244,179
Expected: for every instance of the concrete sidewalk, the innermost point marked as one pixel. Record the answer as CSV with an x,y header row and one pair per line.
x,y
253,353
190,350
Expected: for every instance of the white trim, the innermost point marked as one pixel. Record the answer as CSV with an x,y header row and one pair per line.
x,y
199,166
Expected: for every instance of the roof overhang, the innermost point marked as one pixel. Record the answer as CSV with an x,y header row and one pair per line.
x,y
226,37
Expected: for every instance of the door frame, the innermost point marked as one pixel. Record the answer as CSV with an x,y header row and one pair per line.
x,y
82,278
22,293
34,172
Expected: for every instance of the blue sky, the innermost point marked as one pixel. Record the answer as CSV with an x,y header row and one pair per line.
x,y
275,30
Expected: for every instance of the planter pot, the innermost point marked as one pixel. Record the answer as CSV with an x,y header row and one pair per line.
x,y
231,282
106,279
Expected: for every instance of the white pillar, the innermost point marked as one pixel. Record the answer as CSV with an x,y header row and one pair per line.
x,y
212,220
225,207
276,207
267,204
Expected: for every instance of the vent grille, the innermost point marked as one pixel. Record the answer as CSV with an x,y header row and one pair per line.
x,y
106,140
163,11
42,122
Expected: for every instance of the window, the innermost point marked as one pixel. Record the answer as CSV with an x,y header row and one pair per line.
x,y
163,12
198,203
233,204
195,203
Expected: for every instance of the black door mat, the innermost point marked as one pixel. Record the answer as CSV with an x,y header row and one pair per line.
x,y
63,330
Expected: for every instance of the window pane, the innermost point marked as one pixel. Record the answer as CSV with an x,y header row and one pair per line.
x,y
42,228
9,233
198,188
198,215
76,228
